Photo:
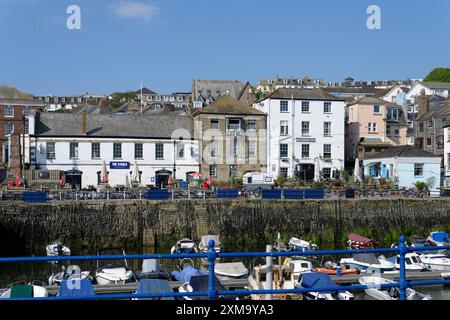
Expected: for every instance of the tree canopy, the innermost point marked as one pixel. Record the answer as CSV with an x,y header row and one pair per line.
x,y
119,98
438,75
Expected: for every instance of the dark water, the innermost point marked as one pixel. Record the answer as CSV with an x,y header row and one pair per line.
x,y
41,271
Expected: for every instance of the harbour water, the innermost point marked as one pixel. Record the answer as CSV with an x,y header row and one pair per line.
x,y
41,271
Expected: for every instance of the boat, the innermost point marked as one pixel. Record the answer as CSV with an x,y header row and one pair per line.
x,y
283,278
311,280
436,261
355,242
331,268
230,270
187,272
438,239
185,245
368,263
56,249
146,286
113,273
72,272
418,241
199,283
392,293
412,262
25,290
151,269
297,244
203,245
299,265
76,288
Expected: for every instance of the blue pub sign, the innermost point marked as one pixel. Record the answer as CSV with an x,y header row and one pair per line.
x,y
119,165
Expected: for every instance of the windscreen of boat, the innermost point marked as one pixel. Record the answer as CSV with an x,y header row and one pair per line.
x,y
369,258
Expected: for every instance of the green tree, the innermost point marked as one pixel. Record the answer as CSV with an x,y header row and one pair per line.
x,y
438,75
119,98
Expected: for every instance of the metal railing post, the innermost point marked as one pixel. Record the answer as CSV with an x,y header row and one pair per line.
x,y
403,284
212,292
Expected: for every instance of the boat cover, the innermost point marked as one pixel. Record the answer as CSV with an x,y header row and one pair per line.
x,y
21,291
151,265
440,236
205,240
187,272
231,269
311,280
75,288
369,258
200,284
154,286
357,238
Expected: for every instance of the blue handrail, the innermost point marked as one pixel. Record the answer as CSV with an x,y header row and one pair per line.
x,y
212,255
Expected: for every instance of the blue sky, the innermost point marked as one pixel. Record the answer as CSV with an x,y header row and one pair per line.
x,y
166,43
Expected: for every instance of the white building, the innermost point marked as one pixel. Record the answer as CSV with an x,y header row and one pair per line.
x,y
429,88
304,125
446,130
160,146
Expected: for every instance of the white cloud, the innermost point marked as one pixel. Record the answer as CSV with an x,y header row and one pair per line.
x,y
134,9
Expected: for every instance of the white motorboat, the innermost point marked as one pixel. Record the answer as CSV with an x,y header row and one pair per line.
x,y
412,262
25,290
230,270
436,261
113,273
297,244
299,265
56,249
311,280
283,278
184,246
392,293
368,263
438,238
72,272
203,245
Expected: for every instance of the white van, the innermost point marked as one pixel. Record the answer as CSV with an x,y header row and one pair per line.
x,y
257,180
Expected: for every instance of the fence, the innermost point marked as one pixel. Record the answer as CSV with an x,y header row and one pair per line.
x,y
212,255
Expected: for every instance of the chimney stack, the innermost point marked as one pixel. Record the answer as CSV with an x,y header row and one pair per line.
x,y
423,103
83,129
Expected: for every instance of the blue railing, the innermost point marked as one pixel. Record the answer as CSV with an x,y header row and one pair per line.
x,y
212,255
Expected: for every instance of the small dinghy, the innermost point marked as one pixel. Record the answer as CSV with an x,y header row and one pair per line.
x,y
25,290
355,242
199,283
72,272
76,288
297,244
113,273
184,246
331,268
147,286
151,269
311,280
56,249
368,263
187,272
393,293
438,239
230,270
203,245
417,241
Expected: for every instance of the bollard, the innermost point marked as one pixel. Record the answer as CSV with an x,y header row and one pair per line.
x,y
269,275
403,283
212,292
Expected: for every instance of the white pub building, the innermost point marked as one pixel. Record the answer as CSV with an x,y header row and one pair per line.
x,y
82,146
306,127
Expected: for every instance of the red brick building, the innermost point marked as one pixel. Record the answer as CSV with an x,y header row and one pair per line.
x,y
13,121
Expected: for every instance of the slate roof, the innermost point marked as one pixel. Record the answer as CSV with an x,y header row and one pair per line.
x,y
121,126
437,85
93,109
372,100
302,94
437,110
233,87
230,105
22,102
403,152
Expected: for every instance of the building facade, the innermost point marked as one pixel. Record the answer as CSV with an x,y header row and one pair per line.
x,y
232,139
159,146
304,126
